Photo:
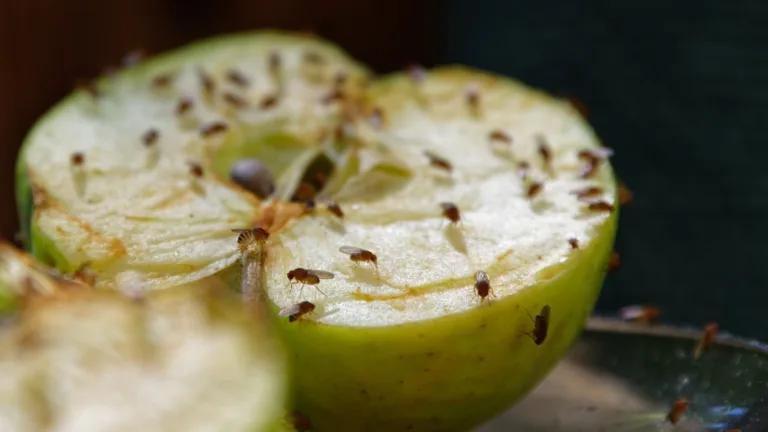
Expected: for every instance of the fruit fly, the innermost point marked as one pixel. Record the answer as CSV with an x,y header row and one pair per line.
x,y
150,137
614,261
588,192
184,105
212,129
545,152
269,101
235,100
451,212
247,237
482,285
331,205
593,159
195,169
707,337
540,326
313,58
625,195
308,277
438,162
300,422
296,311
237,78
534,189
360,255
417,73
472,96
162,81
574,242
677,410
77,159
498,135
206,82
274,63
522,170
600,206
640,313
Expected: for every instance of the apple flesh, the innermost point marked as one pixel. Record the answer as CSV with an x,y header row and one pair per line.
x,y
405,346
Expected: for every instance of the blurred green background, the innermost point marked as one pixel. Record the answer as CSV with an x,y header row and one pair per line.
x,y
678,88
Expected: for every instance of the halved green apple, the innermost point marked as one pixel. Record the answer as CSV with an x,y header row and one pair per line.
x,y
406,345
184,359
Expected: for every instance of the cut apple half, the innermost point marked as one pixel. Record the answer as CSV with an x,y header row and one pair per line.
x,y
489,208
183,359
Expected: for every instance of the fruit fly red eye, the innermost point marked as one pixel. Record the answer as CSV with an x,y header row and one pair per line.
x,y
235,100
206,82
417,73
451,212
574,242
162,81
588,192
534,189
195,169
600,206
472,96
237,78
150,137
522,170
438,162
640,313
677,410
358,255
498,135
77,159
625,195
540,326
212,129
297,311
269,101
482,285
707,338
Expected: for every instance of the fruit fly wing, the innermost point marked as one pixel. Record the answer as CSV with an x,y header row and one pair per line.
x,y
447,205
631,312
322,274
349,250
290,310
482,276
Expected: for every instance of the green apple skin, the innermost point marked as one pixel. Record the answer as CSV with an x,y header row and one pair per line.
x,y
447,374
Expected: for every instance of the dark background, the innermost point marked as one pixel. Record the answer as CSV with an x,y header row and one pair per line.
x,y
679,89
